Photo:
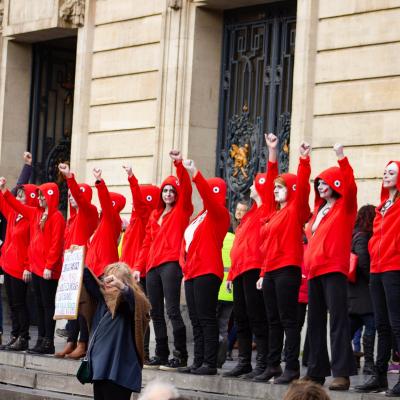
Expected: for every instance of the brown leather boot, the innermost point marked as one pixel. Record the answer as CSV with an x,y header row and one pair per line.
x,y
340,383
69,348
79,352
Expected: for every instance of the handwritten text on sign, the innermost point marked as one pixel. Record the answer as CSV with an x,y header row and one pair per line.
x,y
69,285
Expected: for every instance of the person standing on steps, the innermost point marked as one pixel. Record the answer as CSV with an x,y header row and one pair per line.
x,y
203,270
15,259
82,222
384,249
360,304
248,303
159,256
329,234
145,199
45,252
282,248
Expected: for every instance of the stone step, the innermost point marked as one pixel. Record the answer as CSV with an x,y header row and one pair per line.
x,y
50,374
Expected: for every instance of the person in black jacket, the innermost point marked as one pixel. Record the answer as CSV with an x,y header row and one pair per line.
x,y
360,305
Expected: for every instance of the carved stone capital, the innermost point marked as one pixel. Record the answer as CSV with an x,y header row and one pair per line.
x,y
73,12
175,4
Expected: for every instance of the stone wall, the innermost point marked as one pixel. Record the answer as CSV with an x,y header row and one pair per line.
x,y
351,80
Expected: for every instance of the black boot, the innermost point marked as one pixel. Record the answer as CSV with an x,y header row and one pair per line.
x,y
189,369
37,346
47,347
261,359
21,344
10,341
368,344
376,383
269,373
287,377
204,370
244,359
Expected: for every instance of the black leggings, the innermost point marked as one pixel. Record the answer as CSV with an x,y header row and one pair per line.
x,y
202,297
16,290
45,295
281,292
164,282
108,390
78,328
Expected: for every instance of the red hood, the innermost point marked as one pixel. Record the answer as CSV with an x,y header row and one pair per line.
x,y
218,187
174,182
87,193
334,178
290,181
259,181
150,195
31,194
118,201
52,195
385,192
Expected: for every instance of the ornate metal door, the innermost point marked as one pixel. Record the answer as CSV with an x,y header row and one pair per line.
x,y
256,91
52,95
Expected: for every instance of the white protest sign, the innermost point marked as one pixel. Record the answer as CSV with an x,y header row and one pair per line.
x,y
70,284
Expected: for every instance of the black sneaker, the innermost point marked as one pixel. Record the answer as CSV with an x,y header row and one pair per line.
x,y
21,344
36,348
174,363
62,333
155,363
47,347
11,341
394,392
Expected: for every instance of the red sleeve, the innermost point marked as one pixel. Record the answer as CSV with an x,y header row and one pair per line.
x,y
27,212
267,195
105,200
5,208
144,251
209,201
57,241
303,190
139,205
185,192
350,187
83,203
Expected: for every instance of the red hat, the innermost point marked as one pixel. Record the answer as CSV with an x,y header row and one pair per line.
x,y
150,195
118,201
218,187
290,182
31,195
333,177
384,191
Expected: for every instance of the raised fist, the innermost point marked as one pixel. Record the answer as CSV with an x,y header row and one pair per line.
x,y
27,158
64,169
190,166
305,149
175,155
3,183
271,140
338,148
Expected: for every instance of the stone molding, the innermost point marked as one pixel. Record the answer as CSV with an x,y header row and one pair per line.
x,y
73,12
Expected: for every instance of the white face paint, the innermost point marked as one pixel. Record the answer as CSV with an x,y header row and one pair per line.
x,y
72,201
21,197
42,200
280,193
324,190
390,176
253,192
168,194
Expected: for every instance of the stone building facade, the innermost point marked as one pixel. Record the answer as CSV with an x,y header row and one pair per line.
x,y
109,82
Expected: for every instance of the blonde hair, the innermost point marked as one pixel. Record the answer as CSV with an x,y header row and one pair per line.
x,y
122,271
305,390
279,180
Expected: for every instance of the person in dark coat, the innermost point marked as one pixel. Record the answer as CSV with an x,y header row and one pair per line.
x,y
115,351
360,305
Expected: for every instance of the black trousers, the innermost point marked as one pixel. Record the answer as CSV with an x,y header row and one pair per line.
x,y
108,390
147,334
385,295
164,282
77,328
45,294
16,290
329,293
281,293
249,314
202,297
